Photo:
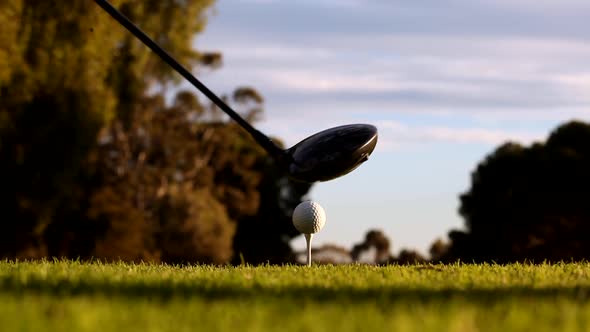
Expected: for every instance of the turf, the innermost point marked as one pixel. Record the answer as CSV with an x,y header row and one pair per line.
x,y
73,296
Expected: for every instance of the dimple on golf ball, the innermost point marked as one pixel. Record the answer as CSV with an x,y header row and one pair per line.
x,y
309,217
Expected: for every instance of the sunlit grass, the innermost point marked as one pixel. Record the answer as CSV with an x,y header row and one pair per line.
x,y
73,296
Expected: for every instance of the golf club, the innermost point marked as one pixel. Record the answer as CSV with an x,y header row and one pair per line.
x,y
324,156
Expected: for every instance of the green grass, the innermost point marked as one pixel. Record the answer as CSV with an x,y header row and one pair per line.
x,y
72,296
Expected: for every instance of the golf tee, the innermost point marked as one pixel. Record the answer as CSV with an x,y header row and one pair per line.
x,y
308,238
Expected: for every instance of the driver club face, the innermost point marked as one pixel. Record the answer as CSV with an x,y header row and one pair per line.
x,y
331,153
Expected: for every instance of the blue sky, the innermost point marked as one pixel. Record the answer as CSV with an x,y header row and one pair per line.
x,y
444,81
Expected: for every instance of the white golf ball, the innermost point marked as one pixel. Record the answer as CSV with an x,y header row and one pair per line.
x,y
309,217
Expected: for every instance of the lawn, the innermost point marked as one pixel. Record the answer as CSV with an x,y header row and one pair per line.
x,y
73,296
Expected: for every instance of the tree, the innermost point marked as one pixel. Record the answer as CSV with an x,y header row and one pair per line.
x,y
66,70
53,102
438,249
374,239
196,182
408,257
94,164
529,203
264,236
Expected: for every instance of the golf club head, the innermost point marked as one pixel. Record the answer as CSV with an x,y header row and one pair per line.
x,y
331,153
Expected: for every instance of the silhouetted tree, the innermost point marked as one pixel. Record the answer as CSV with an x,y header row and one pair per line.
x,y
408,257
377,240
438,250
529,203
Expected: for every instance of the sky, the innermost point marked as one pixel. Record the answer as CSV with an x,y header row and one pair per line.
x,y
444,81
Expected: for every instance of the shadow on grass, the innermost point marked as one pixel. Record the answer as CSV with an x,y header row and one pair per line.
x,y
164,291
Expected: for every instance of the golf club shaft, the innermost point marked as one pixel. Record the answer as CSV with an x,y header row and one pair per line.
x,y
260,138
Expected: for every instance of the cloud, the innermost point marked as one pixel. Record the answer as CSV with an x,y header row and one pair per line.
x,y
471,77
312,81
403,133
536,5
295,21
265,51
328,3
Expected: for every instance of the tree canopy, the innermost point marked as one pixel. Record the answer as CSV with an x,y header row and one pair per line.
x,y
96,161
529,203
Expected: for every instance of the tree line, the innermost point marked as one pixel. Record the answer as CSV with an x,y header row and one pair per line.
x,y
102,157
